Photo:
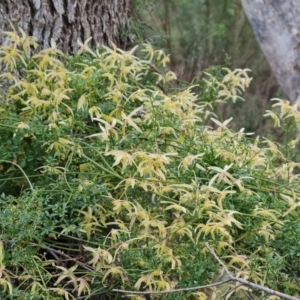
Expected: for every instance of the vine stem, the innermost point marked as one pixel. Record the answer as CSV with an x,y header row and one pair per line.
x,y
25,175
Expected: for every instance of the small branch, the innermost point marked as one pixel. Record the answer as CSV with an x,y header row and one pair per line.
x,y
219,260
53,251
295,277
228,292
294,274
253,286
248,295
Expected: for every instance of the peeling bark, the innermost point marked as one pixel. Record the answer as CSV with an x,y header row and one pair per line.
x,y
66,21
276,24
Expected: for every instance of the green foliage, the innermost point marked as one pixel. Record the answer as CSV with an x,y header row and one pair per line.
x,y
199,34
142,4
110,179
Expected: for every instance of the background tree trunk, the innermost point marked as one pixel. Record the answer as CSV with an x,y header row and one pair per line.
x,y
276,25
66,21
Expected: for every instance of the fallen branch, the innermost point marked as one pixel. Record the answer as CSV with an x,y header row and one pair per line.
x,y
250,284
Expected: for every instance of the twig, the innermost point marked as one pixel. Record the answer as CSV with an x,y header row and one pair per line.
x,y
295,277
294,274
219,261
247,294
75,260
254,286
232,289
261,298
52,251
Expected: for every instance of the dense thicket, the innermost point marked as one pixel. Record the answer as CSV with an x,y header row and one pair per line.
x,y
111,179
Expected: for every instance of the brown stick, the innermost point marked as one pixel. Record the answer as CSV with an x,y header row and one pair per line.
x,y
254,286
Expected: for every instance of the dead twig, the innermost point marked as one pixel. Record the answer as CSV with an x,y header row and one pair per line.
x,y
61,253
250,284
229,291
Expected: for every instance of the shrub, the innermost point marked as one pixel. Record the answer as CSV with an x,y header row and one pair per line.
x,y
110,180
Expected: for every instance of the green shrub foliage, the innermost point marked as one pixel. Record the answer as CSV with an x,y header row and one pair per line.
x,y
110,179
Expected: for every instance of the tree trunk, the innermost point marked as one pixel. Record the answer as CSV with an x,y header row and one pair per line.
x,y
276,25
67,21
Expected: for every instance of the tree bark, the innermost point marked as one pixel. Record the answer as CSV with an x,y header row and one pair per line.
x,y
276,24
67,21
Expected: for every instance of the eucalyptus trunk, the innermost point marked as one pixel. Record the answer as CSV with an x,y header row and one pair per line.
x,y
67,21
276,25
